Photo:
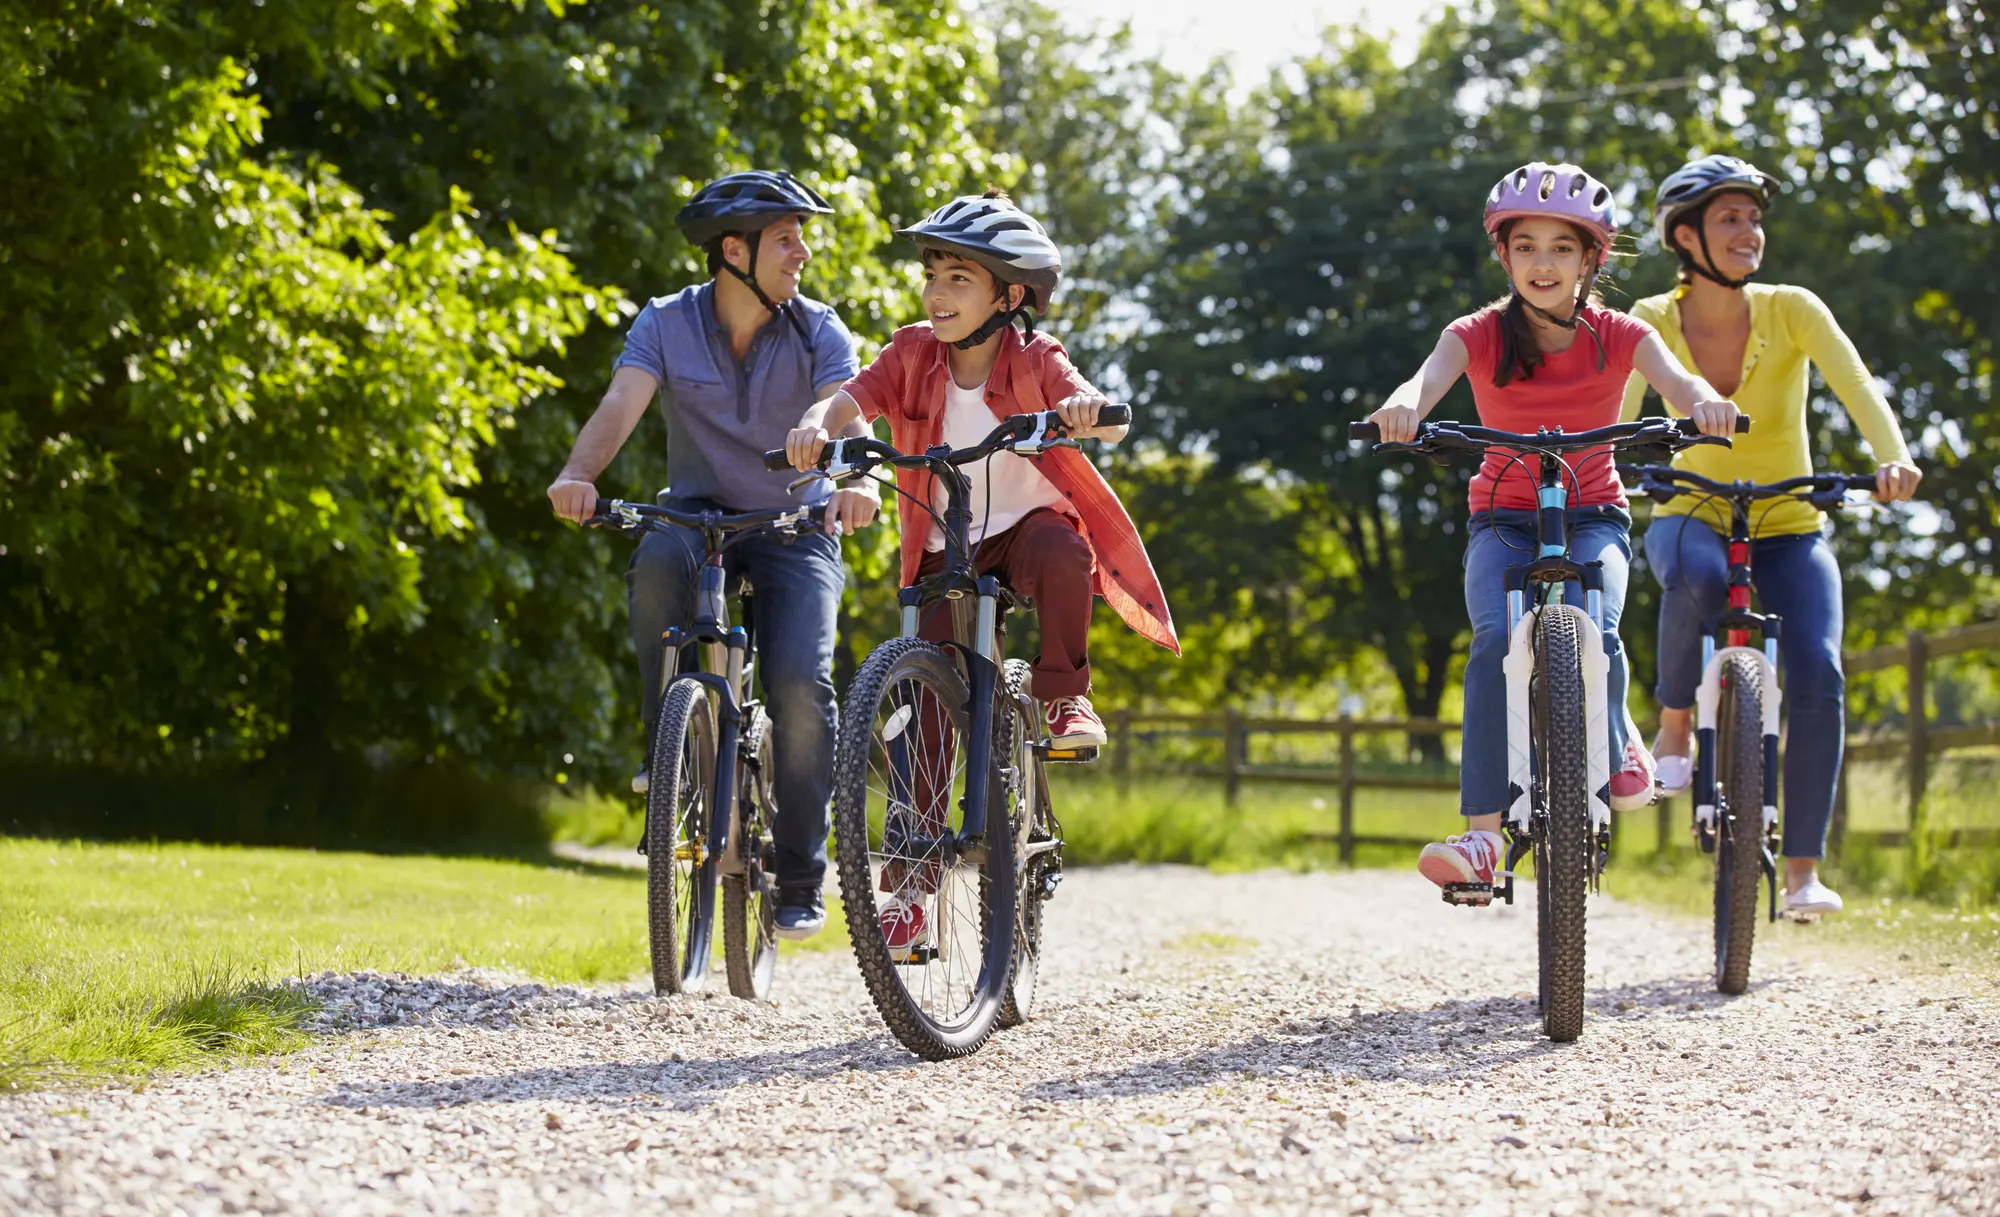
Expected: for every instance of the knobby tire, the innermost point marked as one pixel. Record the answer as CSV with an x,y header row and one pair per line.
x,y
1563,849
680,882
749,902
1739,819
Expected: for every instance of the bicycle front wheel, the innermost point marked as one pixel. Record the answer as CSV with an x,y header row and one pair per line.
x,y
931,916
1563,846
749,900
680,874
1740,819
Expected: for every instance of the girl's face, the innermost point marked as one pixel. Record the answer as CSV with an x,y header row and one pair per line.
x,y
959,296
1734,226
1545,259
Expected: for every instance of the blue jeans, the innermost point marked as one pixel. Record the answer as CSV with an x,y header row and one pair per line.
x,y
797,598
1797,579
1498,540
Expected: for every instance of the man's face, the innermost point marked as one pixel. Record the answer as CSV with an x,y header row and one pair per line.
x,y
782,254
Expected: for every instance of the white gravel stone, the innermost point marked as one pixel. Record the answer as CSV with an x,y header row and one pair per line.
x,y
1207,1044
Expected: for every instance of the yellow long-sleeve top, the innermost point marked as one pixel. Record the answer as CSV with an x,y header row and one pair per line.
x,y
1789,328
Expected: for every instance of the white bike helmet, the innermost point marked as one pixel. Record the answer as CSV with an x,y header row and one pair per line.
x,y
990,230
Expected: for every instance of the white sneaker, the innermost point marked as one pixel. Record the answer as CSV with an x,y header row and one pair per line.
x,y
640,783
1812,900
1674,773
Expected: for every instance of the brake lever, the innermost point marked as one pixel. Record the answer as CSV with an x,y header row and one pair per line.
x,y
1043,437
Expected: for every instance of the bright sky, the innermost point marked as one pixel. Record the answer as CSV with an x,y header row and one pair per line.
x,y
1256,34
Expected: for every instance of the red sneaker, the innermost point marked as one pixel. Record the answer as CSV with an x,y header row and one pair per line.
x,y
1471,858
1073,724
1632,785
904,929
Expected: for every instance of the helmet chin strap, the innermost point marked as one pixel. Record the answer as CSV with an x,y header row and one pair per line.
x,y
1575,320
994,324
750,281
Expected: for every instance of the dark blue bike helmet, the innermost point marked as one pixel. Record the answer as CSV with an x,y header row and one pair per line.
x,y
1684,196
744,205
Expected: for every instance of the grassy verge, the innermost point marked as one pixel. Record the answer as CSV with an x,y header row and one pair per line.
x,y
121,958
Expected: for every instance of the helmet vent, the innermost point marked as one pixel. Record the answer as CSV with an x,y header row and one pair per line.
x,y
1520,179
1548,187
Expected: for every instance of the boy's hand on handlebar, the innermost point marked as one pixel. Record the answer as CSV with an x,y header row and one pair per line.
x,y
803,446
849,510
1398,423
1896,481
1079,413
1715,417
573,499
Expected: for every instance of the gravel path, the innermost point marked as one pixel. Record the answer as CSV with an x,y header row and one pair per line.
x,y
1269,1042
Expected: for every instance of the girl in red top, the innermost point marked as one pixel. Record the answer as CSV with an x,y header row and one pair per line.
x,y
1049,522
1548,355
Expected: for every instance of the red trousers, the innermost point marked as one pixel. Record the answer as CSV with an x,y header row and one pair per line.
x,y
1045,558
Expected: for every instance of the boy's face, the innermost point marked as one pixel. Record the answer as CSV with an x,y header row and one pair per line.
x,y
960,295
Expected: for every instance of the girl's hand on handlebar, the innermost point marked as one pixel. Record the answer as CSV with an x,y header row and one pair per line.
x,y
1715,417
1398,423
1896,482
803,446
849,510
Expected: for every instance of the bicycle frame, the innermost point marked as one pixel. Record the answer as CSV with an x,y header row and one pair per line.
x,y
726,651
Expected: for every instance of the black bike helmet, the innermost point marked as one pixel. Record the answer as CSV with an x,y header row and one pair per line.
x,y
744,205
1684,196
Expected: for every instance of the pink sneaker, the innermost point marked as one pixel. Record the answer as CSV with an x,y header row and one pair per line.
x,y
1471,858
1632,786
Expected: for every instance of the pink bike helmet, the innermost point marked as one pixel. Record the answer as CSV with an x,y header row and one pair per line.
x,y
1562,192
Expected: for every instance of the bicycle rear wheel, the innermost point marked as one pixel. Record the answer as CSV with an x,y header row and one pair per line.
x,y
1739,819
680,875
898,772
749,900
1563,846
1037,836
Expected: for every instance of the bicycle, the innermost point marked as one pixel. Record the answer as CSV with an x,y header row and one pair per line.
x,y
1558,739
711,748
1738,701
980,864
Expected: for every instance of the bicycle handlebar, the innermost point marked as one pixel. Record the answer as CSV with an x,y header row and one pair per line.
x,y
1045,427
623,513
1454,437
1823,490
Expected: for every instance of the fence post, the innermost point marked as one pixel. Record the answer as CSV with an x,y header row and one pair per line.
x,y
1346,791
1232,747
1919,760
1121,753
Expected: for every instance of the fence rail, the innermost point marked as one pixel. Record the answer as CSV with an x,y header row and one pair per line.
x,y
1917,742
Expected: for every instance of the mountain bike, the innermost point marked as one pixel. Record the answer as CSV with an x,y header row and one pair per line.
x,y
1737,711
940,793
711,749
1558,738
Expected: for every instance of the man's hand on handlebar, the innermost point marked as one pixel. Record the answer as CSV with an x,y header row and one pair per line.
x,y
849,510
1715,417
573,499
1397,423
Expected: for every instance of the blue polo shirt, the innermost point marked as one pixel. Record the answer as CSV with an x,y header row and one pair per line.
x,y
723,415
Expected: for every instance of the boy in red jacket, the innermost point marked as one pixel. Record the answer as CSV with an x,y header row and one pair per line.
x,y
1049,523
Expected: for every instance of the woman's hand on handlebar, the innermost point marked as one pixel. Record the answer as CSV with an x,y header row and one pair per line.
x,y
803,446
1896,481
1715,417
1398,423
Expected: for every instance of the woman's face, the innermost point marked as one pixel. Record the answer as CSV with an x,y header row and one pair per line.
x,y
1545,259
959,296
1734,226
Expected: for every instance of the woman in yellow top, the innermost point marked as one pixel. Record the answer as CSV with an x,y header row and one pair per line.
x,y
1753,343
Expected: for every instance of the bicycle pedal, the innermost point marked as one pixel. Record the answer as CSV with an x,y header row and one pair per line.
x,y
912,955
1066,756
1472,895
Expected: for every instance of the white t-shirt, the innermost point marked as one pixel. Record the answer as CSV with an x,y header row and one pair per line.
x,y
1016,486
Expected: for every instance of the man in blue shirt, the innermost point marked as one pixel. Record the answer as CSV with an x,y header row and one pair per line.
x,y
735,362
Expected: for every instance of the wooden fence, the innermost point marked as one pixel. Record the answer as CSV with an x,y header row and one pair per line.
x,y
1918,742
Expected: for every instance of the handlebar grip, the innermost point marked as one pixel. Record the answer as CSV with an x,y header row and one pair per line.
x,y
775,460
1115,416
1742,424
1366,433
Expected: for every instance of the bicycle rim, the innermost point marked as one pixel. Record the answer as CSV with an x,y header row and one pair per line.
x,y
899,771
680,876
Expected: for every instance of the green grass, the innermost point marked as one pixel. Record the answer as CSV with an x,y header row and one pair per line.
x,y
123,958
